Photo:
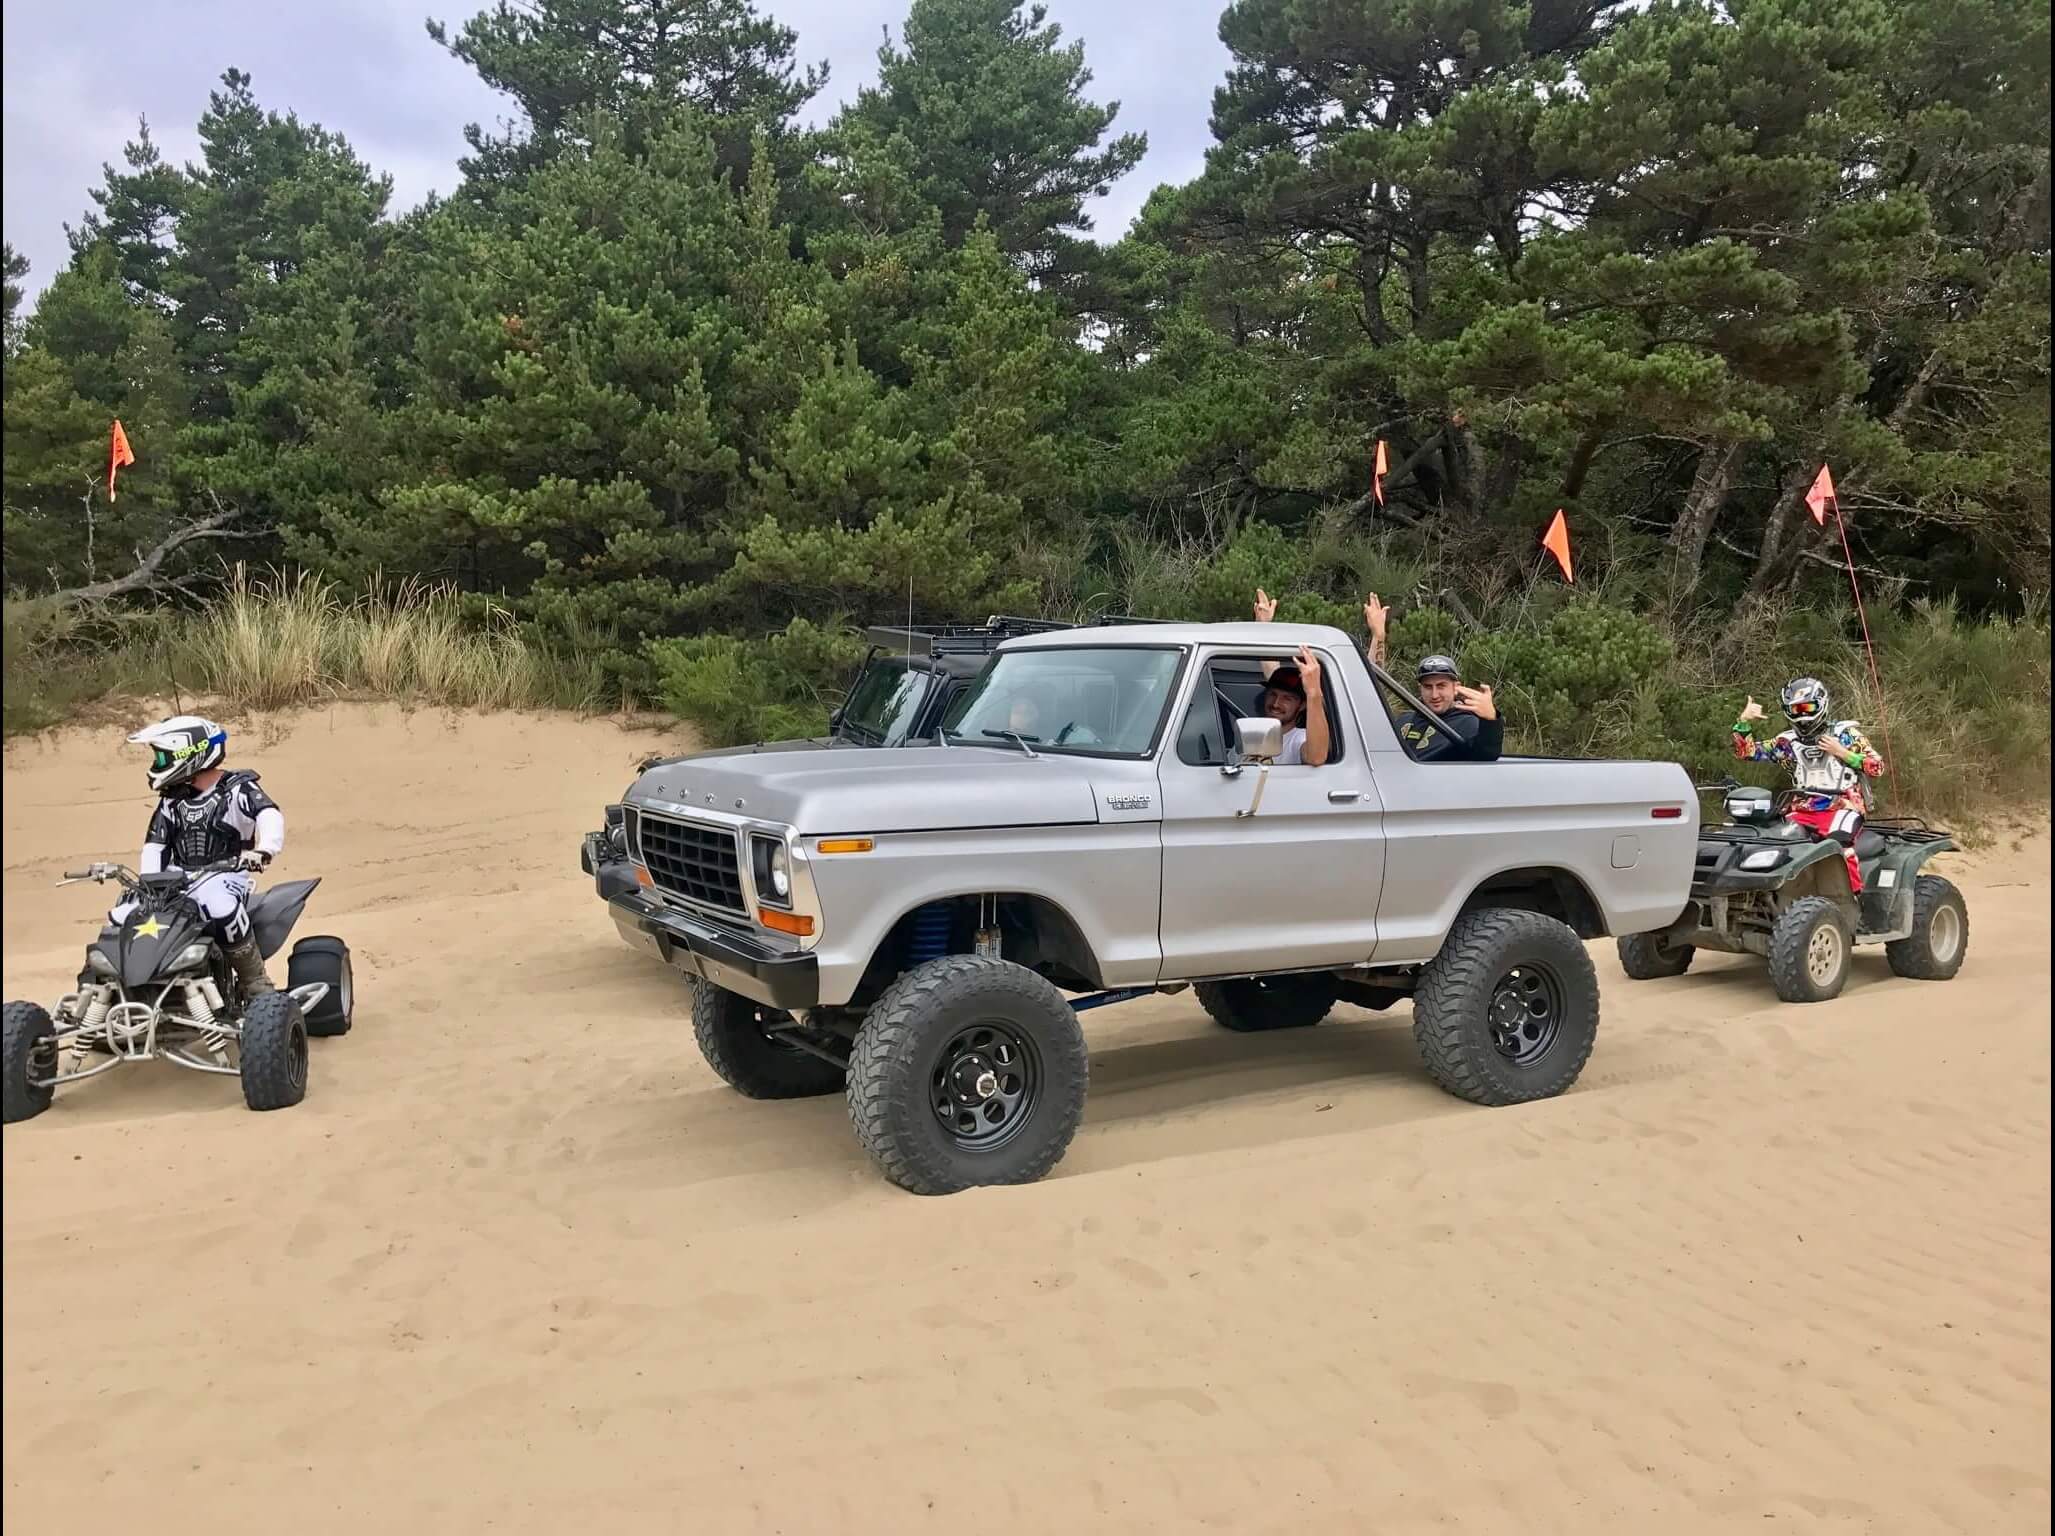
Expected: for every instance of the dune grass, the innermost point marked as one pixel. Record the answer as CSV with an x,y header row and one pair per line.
x,y
275,640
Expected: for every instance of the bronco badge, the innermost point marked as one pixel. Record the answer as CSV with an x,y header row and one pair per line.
x,y
1128,802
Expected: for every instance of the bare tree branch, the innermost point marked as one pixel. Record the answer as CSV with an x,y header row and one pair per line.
x,y
148,575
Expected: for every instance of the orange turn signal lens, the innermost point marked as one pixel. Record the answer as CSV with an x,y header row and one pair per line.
x,y
642,877
797,924
845,845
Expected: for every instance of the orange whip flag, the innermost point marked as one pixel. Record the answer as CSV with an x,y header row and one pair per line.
x,y
1557,542
1821,496
1377,475
118,454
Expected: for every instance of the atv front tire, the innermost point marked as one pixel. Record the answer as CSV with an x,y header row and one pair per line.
x,y
28,1053
1268,1002
274,1052
733,1035
1939,940
1810,950
1645,957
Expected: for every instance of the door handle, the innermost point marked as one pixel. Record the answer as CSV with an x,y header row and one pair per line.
x,y
1344,796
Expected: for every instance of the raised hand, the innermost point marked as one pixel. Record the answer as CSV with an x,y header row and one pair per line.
x,y
1374,615
1309,672
1266,606
1751,710
1478,701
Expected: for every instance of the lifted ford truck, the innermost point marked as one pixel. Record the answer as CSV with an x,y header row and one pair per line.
x,y
1099,819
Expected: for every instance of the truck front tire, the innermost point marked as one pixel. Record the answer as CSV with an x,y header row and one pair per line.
x,y
1507,1012
734,1037
1268,1002
968,1070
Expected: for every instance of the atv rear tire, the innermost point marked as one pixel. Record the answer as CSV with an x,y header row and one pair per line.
x,y
1645,957
1507,1012
274,1052
732,1035
968,1070
1268,1002
1939,940
1810,949
323,957
30,1051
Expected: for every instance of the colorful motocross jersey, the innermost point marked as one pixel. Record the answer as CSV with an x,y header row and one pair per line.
x,y
1826,778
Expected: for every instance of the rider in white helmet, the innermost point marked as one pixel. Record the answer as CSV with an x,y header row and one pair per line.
x,y
1830,762
208,815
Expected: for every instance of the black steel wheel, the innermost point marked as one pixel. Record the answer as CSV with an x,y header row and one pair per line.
x,y
967,1070
1527,1013
1507,1012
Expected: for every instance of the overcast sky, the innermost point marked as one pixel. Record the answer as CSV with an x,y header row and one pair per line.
x,y
78,74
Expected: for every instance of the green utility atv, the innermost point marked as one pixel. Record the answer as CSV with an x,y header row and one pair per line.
x,y
1766,886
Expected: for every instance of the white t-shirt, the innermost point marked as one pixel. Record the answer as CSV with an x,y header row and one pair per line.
x,y
1294,746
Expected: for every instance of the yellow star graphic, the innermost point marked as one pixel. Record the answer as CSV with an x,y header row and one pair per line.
x,y
149,928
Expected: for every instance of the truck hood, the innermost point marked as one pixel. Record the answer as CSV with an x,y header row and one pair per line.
x,y
904,789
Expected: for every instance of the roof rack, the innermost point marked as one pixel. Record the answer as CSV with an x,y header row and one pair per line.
x,y
956,639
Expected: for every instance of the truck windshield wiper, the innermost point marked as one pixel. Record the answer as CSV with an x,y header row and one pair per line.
x,y
1016,738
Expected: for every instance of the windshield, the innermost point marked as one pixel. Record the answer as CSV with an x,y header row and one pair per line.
x,y
1100,700
881,707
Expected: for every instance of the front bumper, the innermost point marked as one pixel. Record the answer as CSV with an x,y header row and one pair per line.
x,y
734,962
612,874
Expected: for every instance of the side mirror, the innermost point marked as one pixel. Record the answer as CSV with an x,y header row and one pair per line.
x,y
1259,740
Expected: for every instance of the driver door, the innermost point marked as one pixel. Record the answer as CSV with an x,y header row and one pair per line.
x,y
1294,886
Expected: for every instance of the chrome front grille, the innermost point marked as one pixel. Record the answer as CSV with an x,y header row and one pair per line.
x,y
693,861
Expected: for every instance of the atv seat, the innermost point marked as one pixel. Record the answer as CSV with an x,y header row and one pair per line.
x,y
1869,845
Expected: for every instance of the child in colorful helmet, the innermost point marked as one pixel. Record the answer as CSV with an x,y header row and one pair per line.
x,y
208,815
1829,762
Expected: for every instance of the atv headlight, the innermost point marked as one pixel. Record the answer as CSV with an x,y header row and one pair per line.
x,y
1764,858
192,954
773,871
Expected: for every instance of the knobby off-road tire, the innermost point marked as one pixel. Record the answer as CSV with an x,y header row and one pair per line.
x,y
1268,1002
731,1034
1645,957
968,1070
27,1050
1939,940
1810,951
1507,1012
273,1052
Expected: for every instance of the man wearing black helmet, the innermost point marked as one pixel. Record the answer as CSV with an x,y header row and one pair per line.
x,y
1469,712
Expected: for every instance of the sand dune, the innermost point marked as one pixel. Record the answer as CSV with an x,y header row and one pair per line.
x,y
520,1263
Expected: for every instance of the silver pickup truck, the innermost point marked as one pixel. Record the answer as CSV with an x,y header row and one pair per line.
x,y
1102,818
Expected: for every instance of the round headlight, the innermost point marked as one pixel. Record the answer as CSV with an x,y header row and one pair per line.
x,y
781,872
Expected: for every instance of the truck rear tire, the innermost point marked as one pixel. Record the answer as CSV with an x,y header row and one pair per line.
x,y
1934,950
1268,1002
30,1052
1809,951
968,1070
1507,1012
1645,957
733,1037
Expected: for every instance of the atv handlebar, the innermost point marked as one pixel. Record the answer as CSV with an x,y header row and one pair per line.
x,y
130,880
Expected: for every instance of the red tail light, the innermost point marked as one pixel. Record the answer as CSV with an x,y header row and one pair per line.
x,y
1668,813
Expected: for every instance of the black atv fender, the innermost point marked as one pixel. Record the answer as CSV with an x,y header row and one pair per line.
x,y
273,913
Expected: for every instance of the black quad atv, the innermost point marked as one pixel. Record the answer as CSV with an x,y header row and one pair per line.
x,y
1766,886
159,985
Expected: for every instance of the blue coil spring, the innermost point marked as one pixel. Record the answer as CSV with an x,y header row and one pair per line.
x,y
930,937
